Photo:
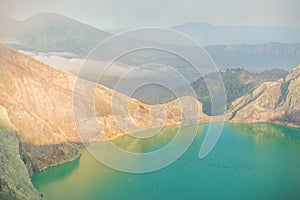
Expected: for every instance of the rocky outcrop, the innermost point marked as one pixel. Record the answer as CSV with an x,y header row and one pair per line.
x,y
14,178
277,102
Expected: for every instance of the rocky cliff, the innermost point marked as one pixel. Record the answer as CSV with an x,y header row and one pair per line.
x,y
14,177
277,102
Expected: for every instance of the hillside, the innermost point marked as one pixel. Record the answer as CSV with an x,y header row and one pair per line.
x,y
276,102
50,32
237,82
39,97
36,102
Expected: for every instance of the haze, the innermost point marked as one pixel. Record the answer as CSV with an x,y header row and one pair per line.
x,y
119,14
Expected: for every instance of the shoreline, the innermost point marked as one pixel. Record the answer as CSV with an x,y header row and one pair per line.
x,y
59,163
288,125
201,123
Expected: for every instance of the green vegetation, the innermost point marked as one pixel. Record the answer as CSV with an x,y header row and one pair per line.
x,y
237,82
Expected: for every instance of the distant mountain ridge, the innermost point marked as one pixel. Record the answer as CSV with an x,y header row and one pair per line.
x,y
257,56
208,34
277,47
51,32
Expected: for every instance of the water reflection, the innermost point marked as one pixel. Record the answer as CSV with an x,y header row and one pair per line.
x,y
157,141
62,171
262,132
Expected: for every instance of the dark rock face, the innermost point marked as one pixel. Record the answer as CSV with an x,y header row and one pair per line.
x,y
20,160
37,158
27,160
277,102
14,178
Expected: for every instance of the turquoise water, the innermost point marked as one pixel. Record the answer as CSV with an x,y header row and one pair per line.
x,y
250,161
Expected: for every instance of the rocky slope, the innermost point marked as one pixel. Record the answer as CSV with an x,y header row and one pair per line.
x,y
14,178
237,83
36,101
277,102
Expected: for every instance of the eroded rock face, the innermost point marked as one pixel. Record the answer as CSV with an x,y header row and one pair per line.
x,y
277,102
14,179
44,96
38,101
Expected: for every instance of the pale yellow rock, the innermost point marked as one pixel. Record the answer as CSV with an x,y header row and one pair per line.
x,y
38,100
277,102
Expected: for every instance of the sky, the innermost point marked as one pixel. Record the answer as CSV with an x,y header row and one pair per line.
x,y
119,14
